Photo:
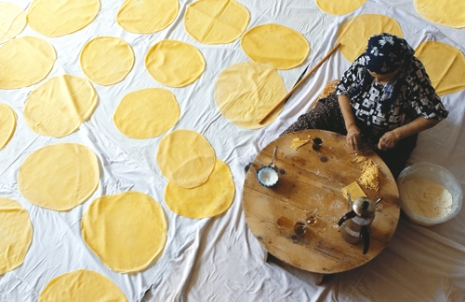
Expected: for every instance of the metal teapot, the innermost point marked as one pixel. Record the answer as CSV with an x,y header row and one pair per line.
x,y
356,223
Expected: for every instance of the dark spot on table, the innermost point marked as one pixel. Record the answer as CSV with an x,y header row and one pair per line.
x,y
324,159
299,160
282,172
285,222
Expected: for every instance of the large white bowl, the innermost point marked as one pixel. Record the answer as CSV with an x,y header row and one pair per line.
x,y
439,175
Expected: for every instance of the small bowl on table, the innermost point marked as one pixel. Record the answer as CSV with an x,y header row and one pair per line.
x,y
436,174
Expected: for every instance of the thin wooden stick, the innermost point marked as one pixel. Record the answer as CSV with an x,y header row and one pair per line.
x,y
284,99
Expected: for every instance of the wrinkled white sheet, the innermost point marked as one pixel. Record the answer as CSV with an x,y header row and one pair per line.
x,y
218,259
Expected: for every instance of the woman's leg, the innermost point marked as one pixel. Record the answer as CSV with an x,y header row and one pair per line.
x,y
326,115
397,157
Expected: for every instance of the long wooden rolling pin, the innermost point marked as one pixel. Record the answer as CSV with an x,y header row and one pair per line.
x,y
300,82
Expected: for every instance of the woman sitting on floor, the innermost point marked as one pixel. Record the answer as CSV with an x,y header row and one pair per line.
x,y
383,101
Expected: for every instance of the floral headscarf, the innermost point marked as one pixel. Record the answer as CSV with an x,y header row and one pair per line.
x,y
385,53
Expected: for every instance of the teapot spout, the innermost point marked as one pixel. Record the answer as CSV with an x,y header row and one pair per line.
x,y
349,201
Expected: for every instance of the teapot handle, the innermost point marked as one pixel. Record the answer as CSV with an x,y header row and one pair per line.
x,y
347,216
366,238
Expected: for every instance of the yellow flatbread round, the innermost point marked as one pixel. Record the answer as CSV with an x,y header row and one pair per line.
x,y
54,18
81,285
245,93
444,64
147,16
147,113
25,61
337,7
276,45
216,21
445,12
210,199
127,231
12,21
60,176
186,158
15,234
59,106
174,63
106,60
7,124
355,33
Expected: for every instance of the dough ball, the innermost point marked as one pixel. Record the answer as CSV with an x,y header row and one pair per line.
x,y
59,106
106,60
147,113
7,124
127,230
207,200
356,31
81,285
246,92
186,158
54,18
216,21
25,61
15,234
445,12
337,7
60,176
174,63
444,64
12,21
276,45
147,16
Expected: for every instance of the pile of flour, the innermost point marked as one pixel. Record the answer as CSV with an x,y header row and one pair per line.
x,y
426,198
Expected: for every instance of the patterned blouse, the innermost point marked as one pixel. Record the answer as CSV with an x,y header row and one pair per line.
x,y
414,98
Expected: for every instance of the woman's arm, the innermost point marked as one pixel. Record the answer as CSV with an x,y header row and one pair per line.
x,y
391,138
427,103
353,132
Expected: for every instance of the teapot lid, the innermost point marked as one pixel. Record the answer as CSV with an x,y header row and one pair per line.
x,y
364,206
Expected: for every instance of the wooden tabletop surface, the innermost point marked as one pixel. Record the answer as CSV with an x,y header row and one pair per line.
x,y
308,179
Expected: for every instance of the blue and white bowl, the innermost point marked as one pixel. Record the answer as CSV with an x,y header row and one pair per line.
x,y
268,176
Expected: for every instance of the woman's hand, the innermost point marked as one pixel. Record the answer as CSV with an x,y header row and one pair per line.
x,y
354,137
389,140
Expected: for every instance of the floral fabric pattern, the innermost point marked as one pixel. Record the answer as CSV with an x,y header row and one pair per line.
x,y
416,97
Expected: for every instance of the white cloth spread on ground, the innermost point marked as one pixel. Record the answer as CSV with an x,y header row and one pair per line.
x,y
218,259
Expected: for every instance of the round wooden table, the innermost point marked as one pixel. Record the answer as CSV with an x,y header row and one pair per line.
x,y
310,179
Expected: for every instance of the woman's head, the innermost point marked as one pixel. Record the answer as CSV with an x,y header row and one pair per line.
x,y
385,53
387,59
385,77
